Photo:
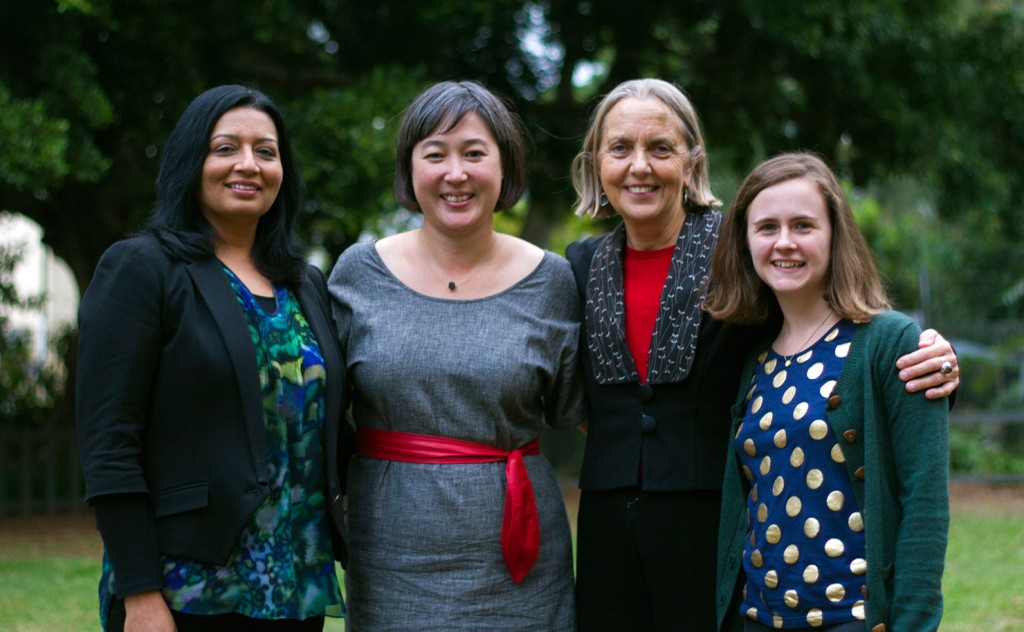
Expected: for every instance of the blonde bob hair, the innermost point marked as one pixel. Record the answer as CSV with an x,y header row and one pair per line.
x,y
585,169
736,294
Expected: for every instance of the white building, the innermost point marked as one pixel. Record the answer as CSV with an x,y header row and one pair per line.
x,y
39,273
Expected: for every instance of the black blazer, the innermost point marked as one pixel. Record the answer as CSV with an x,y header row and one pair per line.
x,y
169,402
679,432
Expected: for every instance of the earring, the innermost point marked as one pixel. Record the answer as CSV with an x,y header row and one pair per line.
x,y
686,196
604,199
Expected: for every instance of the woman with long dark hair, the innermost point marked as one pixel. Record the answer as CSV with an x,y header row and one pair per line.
x,y
209,389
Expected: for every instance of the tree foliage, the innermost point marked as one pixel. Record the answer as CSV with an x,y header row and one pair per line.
x,y
930,90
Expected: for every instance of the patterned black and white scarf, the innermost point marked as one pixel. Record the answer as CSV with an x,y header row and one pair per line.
x,y
674,341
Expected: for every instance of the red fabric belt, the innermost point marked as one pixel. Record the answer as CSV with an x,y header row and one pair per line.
x,y
520,527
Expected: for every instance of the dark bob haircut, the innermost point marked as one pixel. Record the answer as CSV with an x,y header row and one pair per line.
x,y
177,219
439,109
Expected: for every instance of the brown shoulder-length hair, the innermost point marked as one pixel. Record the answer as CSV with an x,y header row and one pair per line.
x,y
736,294
439,108
586,170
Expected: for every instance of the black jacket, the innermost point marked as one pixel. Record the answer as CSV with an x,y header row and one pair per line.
x,y
666,437
170,409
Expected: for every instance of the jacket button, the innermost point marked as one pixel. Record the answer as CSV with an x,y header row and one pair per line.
x,y
646,393
648,424
336,500
878,628
859,473
864,591
850,435
834,401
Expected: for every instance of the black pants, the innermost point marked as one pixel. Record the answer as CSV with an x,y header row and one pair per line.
x,y
220,622
646,560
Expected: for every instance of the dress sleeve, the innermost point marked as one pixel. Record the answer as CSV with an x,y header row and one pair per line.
x,y
341,318
564,400
341,311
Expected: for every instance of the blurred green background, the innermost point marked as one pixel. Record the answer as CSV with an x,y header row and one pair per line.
x,y
918,104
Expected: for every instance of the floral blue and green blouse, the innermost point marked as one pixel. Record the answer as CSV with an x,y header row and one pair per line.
x,y
283,566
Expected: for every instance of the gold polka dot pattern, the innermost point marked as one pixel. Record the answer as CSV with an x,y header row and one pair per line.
x,y
858,611
779,486
792,554
805,520
811,574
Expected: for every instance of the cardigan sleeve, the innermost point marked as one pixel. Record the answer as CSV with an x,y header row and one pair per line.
x,y
119,349
918,429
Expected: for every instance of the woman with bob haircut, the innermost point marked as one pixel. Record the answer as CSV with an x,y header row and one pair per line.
x,y
210,391
835,505
660,373
460,343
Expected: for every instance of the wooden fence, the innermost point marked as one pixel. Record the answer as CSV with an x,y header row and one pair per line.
x,y
987,418
40,472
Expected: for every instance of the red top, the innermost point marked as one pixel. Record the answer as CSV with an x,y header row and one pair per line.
x,y
643,277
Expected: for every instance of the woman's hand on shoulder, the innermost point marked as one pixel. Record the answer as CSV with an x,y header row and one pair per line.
x,y
147,612
922,369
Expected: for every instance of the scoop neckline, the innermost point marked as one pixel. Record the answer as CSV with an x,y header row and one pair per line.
x,y
380,260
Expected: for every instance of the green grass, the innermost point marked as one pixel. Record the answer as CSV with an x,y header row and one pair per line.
x,y
51,584
57,593
51,593
984,574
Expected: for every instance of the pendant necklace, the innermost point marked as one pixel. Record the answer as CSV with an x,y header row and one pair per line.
x,y
453,286
788,359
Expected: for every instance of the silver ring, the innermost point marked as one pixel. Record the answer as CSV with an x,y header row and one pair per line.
x,y
946,368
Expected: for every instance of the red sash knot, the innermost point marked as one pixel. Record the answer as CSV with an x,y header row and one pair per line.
x,y
520,527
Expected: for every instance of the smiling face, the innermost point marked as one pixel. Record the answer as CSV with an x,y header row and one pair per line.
x,y
456,175
242,172
644,162
789,234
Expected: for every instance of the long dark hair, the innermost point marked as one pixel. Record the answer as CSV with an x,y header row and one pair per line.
x,y
177,220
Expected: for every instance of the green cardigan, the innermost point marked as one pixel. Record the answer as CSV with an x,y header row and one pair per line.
x,y
896,450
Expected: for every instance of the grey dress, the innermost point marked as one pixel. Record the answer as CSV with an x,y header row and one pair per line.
x,y
424,547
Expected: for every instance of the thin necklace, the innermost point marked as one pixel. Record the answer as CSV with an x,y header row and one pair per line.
x,y
788,359
453,286
451,283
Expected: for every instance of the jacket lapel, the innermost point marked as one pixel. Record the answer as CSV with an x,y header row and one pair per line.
x,y
677,326
215,289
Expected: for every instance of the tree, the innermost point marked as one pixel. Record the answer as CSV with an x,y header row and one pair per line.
x,y
928,90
